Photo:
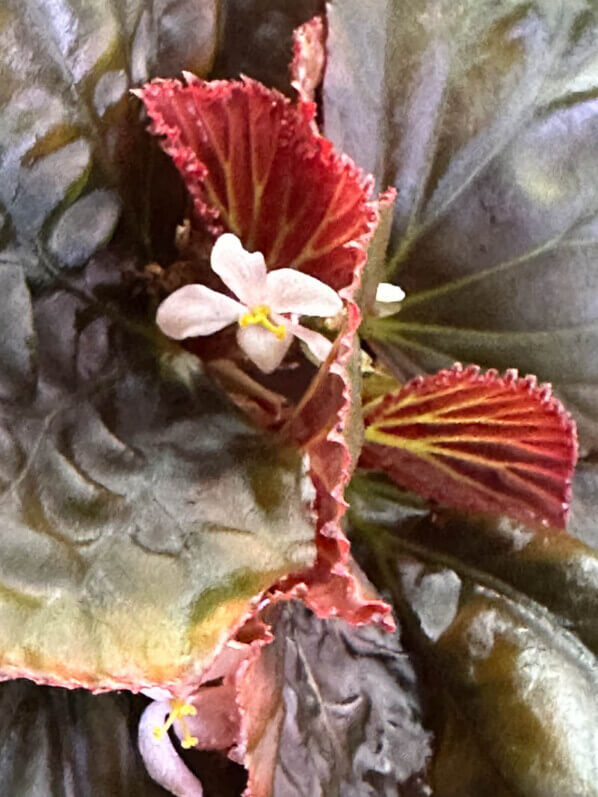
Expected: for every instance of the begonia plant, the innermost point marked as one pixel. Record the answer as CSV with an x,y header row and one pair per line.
x,y
285,483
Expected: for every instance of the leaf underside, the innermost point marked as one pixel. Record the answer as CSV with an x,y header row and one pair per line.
x,y
477,441
340,712
255,167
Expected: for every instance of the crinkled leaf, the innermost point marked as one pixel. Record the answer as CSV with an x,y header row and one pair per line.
x,y
328,425
255,164
342,715
140,515
477,441
504,620
484,116
60,743
73,149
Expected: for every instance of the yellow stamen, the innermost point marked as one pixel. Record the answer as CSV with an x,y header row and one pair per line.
x,y
259,315
178,711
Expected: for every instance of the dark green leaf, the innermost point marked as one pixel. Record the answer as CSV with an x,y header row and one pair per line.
x,y
139,514
483,114
505,622
375,268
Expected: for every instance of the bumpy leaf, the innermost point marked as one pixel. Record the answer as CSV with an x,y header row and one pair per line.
x,y
483,115
328,425
477,441
504,620
255,166
59,743
72,148
139,514
341,713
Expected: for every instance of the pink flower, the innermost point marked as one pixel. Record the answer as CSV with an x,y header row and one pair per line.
x,y
267,311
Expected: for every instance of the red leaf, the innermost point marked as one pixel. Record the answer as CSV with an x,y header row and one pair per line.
x,y
483,442
255,166
328,427
259,684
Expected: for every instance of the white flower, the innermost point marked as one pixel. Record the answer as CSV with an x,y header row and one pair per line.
x,y
267,312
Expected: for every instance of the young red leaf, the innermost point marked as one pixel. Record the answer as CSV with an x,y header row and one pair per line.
x,y
482,442
255,166
328,426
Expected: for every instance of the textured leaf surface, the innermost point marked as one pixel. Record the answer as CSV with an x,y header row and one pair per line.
x,y
482,442
139,515
255,164
72,151
255,167
483,114
59,743
328,425
504,622
342,714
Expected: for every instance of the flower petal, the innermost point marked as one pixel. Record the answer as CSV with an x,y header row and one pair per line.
x,y
255,166
316,343
290,291
263,347
161,759
196,310
387,292
241,271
